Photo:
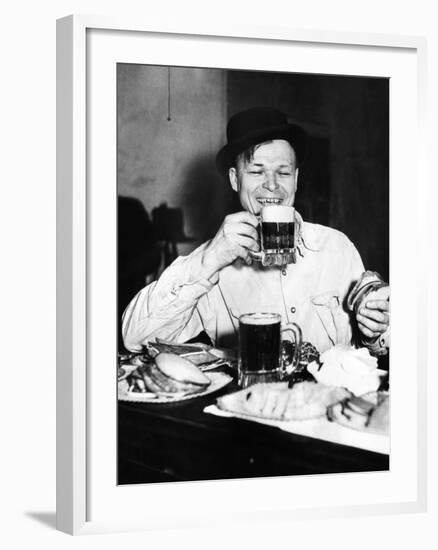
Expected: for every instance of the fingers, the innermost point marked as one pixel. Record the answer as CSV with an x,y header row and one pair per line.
x,y
379,317
235,239
243,245
248,243
368,333
373,318
381,305
234,229
245,230
242,217
370,327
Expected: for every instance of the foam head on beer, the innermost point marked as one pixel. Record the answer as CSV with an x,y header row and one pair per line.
x,y
260,318
278,213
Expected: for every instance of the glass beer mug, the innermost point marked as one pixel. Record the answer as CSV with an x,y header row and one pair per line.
x,y
277,236
260,349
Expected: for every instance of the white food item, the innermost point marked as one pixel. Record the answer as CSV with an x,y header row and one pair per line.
x,y
276,401
180,369
347,367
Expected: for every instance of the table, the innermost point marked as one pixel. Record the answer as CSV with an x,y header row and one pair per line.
x,y
179,442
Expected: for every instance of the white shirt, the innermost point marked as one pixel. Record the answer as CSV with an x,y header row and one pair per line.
x,y
312,292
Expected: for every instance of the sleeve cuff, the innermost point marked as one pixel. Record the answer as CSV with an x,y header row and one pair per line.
x,y
379,346
205,284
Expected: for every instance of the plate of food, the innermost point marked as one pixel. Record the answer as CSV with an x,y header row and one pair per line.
x,y
168,378
276,401
202,355
312,409
205,357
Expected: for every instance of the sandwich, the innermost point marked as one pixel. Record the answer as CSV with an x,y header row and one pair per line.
x,y
170,375
275,401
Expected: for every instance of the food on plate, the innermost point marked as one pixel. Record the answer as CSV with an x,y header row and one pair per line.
x,y
276,401
198,354
180,369
169,375
177,349
369,412
348,367
201,358
133,360
308,352
121,372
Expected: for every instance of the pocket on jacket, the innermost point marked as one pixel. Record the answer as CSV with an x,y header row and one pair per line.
x,y
328,307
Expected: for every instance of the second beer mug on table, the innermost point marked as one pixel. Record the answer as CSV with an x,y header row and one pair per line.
x,y
260,357
277,236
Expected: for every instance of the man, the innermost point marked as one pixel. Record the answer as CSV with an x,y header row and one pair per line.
x,y
209,289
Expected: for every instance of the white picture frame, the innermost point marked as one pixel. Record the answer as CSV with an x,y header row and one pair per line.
x,y
75,213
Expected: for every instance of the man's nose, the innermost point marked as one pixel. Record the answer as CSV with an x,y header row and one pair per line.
x,y
270,182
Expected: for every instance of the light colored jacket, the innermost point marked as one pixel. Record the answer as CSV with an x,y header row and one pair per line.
x,y
312,292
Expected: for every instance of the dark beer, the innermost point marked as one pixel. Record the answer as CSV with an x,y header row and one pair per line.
x,y
278,235
259,342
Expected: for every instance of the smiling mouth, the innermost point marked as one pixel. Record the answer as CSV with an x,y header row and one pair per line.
x,y
270,200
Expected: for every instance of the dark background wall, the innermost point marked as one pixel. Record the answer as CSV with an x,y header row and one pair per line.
x,y
344,181
171,123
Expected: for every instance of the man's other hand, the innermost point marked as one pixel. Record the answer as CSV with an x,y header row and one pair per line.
x,y
373,318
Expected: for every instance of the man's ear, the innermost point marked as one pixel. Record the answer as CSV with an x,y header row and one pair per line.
x,y
296,179
232,174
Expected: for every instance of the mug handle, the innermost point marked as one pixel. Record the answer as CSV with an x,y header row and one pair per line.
x,y
298,335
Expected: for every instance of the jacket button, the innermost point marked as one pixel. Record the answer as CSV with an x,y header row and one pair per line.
x,y
293,309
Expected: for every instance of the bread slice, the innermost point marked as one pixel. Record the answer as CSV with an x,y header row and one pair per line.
x,y
181,370
158,383
303,401
368,413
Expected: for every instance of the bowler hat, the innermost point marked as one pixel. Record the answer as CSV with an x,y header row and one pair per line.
x,y
255,126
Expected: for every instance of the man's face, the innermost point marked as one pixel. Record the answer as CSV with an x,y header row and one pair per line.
x,y
269,178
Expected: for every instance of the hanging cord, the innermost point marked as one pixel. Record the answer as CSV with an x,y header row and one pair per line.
x,y
168,94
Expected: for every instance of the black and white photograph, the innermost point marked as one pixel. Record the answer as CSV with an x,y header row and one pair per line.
x,y
253,274
219,236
